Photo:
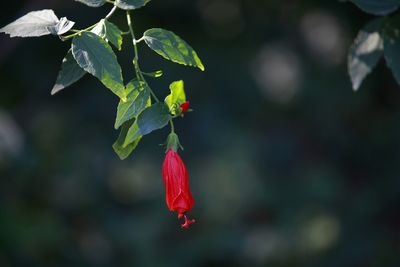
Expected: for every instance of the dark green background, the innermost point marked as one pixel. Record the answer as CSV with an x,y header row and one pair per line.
x,y
288,166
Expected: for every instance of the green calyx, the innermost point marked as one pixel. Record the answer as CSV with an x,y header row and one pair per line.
x,y
173,142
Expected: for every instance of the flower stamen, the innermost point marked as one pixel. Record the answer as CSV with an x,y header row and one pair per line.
x,y
188,222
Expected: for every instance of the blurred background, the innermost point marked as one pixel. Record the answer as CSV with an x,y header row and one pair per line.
x,y
289,166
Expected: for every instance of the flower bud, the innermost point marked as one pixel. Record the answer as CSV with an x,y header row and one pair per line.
x,y
185,107
177,191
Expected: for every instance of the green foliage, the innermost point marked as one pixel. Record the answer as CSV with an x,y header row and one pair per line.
x,y
96,56
124,151
109,32
38,23
172,47
365,52
138,97
176,97
63,26
131,4
377,7
377,38
152,118
154,74
70,73
91,52
132,135
93,3
392,48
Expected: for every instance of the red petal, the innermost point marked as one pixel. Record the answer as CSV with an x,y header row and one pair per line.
x,y
185,106
176,181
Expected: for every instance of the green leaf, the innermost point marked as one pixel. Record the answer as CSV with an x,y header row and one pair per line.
x,y
96,56
70,73
124,152
138,96
172,47
391,40
152,118
131,4
377,7
132,135
176,97
110,32
154,74
63,26
365,52
93,3
33,24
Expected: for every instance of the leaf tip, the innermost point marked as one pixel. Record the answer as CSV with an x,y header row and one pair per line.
x,y
121,156
356,83
199,64
55,90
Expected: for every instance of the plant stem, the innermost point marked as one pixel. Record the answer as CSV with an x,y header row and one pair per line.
x,y
139,73
78,32
136,58
171,122
112,11
141,39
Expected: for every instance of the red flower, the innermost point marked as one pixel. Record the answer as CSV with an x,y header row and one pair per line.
x,y
185,106
176,180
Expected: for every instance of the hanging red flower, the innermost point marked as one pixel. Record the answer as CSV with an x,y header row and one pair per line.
x,y
185,106
176,180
